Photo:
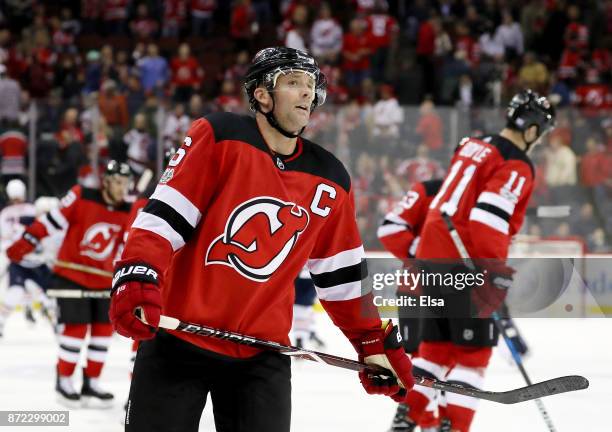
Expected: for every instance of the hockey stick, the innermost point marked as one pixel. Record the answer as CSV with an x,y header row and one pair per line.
x,y
75,293
545,388
496,320
82,268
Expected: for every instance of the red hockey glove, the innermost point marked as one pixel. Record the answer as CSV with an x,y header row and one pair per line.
x,y
22,247
135,285
490,296
384,348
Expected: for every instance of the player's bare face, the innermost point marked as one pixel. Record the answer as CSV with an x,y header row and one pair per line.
x,y
294,93
116,188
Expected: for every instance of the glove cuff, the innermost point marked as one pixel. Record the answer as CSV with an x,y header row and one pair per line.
x,y
135,271
377,342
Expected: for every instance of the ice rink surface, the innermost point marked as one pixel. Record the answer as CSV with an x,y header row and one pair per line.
x,y
331,399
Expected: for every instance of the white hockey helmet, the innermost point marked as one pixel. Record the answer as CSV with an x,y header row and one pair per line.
x,y
16,189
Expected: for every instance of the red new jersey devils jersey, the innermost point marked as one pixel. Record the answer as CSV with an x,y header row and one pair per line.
x,y
400,230
230,225
94,232
485,193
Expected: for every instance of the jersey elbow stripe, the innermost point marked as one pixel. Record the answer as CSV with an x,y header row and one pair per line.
x,y
347,291
59,218
498,201
172,217
345,258
490,219
354,273
178,202
159,226
389,229
393,218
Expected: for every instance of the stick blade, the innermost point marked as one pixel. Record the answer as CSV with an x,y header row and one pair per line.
x,y
545,388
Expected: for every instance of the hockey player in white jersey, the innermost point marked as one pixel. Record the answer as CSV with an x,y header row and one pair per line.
x,y
28,278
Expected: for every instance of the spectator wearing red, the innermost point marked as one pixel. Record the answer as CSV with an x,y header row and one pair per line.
x,y
143,26
466,43
13,150
175,16
202,16
114,16
69,131
187,74
576,35
356,51
419,169
237,71
229,100
593,97
337,93
91,12
430,128
63,40
383,29
425,50
113,106
593,169
243,24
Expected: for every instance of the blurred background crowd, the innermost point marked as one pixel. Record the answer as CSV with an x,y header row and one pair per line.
x,y
85,81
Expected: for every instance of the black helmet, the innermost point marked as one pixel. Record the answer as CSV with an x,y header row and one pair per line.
x,y
527,108
269,62
117,168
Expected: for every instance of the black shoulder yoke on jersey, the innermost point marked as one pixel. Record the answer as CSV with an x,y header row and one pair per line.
x,y
95,195
432,186
308,157
508,150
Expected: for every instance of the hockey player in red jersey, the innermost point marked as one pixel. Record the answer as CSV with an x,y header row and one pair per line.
x,y
485,195
400,233
95,221
242,206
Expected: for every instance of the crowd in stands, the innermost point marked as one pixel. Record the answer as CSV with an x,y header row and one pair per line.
x,y
84,81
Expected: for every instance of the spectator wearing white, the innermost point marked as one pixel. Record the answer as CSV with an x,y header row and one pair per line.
x,y
175,129
139,143
490,43
326,35
387,114
10,93
510,35
297,37
560,164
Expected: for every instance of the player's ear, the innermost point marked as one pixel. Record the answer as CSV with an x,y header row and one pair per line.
x,y
264,98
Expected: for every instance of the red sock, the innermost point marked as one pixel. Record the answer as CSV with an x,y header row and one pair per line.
x,y
70,342
101,335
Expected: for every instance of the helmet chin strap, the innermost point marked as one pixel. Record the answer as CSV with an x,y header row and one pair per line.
x,y
528,144
275,124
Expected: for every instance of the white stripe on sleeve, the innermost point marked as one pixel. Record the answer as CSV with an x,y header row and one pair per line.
x,y
490,220
345,258
157,225
178,202
385,230
347,291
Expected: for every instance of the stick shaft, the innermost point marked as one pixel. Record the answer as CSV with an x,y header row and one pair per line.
x,y
83,268
546,388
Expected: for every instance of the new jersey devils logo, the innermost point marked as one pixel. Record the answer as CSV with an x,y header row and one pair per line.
x,y
258,237
99,241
